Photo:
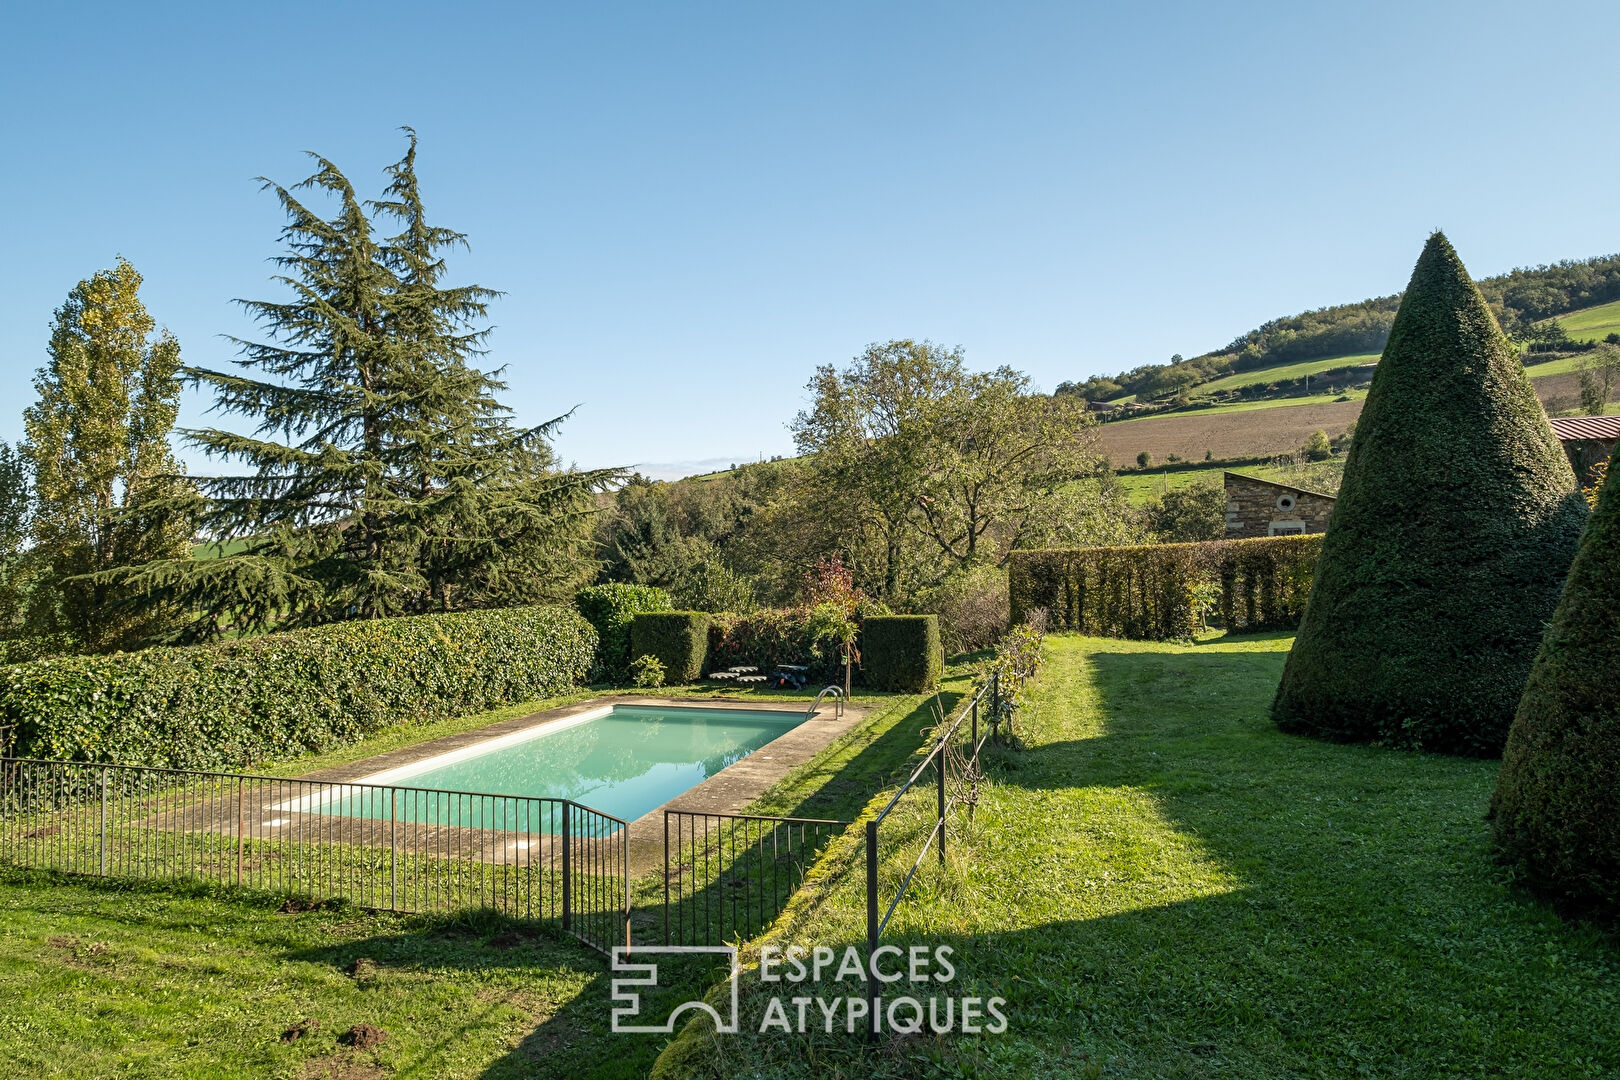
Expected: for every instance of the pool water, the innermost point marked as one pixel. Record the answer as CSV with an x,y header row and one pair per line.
x,y
625,761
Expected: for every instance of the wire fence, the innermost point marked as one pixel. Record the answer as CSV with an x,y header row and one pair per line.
x,y
728,876
379,846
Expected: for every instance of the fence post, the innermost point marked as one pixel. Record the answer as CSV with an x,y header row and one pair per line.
x,y
939,771
973,762
871,925
666,876
568,870
995,705
393,849
102,860
624,848
241,798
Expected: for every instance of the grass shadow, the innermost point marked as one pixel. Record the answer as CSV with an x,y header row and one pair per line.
x,y
1173,888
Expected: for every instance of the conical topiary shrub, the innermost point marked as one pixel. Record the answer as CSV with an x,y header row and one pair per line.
x,y
1455,525
1556,811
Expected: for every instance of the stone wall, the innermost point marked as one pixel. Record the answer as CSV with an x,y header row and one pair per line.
x,y
1262,508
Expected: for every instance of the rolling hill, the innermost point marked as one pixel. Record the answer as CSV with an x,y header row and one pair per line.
x,y
1593,323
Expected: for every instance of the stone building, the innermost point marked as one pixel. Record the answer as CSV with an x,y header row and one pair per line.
x,y
1263,508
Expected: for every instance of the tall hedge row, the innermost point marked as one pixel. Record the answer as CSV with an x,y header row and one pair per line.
x,y
1556,810
902,652
612,608
1162,592
282,695
679,639
1453,532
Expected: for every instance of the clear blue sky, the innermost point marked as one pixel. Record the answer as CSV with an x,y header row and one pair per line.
x,y
691,205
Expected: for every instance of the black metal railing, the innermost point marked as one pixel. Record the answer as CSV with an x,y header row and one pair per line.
x,y
380,846
955,776
728,876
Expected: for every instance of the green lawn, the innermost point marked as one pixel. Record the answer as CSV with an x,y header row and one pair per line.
x,y
1593,323
1162,885
146,982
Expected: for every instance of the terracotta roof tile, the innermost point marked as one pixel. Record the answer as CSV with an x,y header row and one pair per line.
x,y
1569,428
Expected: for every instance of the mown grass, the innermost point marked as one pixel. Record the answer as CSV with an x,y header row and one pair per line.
x,y
102,980
1162,885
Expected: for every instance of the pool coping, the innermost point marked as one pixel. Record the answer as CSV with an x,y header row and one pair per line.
x,y
729,791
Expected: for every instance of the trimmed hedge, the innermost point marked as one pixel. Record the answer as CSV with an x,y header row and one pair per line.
x,y
679,639
1453,532
902,652
282,695
1556,809
1156,592
612,608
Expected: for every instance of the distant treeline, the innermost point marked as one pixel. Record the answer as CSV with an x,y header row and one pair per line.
x,y
1519,298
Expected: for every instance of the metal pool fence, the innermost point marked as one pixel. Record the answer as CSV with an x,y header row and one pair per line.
x,y
727,876
379,846
955,773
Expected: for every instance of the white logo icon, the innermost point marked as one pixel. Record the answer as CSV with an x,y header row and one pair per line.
x,y
648,976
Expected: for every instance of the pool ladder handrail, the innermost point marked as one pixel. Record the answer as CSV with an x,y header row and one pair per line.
x,y
838,701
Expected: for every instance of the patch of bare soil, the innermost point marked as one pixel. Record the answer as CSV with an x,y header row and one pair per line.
x,y
297,905
77,951
302,1029
330,1068
1264,431
363,1037
510,939
1233,434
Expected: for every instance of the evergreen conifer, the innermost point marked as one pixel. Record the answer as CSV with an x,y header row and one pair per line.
x,y
385,476
1454,528
1556,810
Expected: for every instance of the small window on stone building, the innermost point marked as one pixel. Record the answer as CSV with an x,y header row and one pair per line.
x,y
1286,501
1286,528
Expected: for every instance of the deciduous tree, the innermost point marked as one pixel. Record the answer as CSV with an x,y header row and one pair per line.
x,y
106,485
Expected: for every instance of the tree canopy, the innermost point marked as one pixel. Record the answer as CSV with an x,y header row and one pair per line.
x,y
384,476
106,489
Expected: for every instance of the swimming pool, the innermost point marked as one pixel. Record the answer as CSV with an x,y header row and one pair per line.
x,y
623,760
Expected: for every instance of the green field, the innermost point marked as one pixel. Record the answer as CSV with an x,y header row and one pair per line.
x,y
1140,487
1238,380
1593,323
1250,406
1161,884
